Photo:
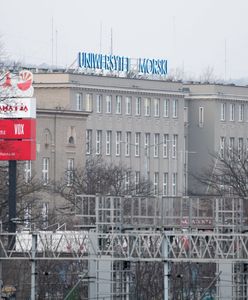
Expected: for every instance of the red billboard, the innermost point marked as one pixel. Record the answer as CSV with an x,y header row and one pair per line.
x,y
17,150
18,129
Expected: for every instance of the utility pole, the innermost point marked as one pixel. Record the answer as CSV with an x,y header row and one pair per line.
x,y
33,265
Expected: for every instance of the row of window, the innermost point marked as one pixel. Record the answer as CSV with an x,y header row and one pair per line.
x,y
158,190
232,112
229,145
45,172
116,141
124,105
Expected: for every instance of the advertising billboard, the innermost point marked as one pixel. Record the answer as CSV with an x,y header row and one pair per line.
x,y
11,108
18,129
17,150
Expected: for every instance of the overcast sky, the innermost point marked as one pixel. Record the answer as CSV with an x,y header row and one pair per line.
x,y
192,34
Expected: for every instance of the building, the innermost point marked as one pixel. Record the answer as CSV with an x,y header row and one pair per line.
x,y
163,130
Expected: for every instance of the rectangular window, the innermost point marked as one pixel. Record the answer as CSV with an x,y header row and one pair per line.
x,y
27,215
108,142
137,182
156,183
127,181
166,108
174,145
138,106
70,171
240,148
156,107
108,104
128,143
88,141
201,116
175,108
118,104
98,104
222,146
118,143
156,144
165,184
241,112
28,170
147,144
185,114
44,214
137,144
88,102
174,184
232,112
45,170
165,145
79,101
223,111
98,142
231,147
128,106
147,106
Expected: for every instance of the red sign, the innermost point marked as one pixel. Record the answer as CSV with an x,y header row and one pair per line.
x,y
17,150
18,129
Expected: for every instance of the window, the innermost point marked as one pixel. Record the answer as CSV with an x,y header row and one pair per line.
x,y
128,143
175,108
98,141
241,112
201,116
118,143
45,170
108,104
156,108
28,170
174,184
174,145
156,183
137,182
222,146
79,102
147,144
165,145
185,115
98,104
231,147
88,102
44,214
137,144
70,171
232,112
147,106
128,106
240,148
223,111
108,142
138,106
165,184
27,215
166,108
127,181
156,144
88,141
118,104
71,135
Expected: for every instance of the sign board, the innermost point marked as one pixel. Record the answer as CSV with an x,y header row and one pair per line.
x,y
18,129
17,150
116,63
18,108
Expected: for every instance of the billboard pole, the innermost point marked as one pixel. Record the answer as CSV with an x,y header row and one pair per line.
x,y
12,202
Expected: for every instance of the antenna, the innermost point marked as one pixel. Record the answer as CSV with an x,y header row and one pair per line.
x,y
225,61
56,48
52,41
100,38
111,41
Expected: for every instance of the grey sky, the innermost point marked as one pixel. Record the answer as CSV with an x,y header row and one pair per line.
x,y
191,34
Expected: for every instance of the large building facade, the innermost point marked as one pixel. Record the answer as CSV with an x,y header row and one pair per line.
x,y
164,131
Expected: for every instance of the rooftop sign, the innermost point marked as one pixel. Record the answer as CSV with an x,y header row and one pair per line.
x,y
116,63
